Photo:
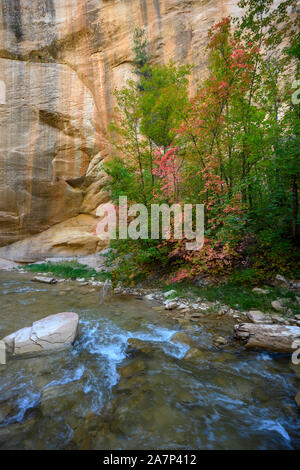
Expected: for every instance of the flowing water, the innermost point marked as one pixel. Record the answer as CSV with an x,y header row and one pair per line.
x,y
104,397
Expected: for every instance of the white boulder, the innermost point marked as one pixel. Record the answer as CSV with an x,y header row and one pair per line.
x,y
50,333
279,338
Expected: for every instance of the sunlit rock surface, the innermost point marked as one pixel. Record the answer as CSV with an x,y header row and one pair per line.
x,y
51,333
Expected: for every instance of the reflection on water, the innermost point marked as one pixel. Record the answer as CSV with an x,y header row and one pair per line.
x,y
97,395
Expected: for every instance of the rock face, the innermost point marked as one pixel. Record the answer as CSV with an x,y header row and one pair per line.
x,y
6,265
51,333
279,338
74,236
60,61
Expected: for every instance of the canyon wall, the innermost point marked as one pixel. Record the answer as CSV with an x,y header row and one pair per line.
x,y
60,61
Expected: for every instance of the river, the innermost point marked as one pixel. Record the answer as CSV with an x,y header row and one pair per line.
x,y
97,395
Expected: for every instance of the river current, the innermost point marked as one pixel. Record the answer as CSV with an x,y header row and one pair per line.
x,y
100,395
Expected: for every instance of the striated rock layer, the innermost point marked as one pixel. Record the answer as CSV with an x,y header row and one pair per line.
x,y
60,61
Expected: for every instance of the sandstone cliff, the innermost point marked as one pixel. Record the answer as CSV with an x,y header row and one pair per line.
x,y
60,61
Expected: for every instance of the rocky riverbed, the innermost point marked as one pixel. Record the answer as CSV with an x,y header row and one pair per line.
x,y
139,376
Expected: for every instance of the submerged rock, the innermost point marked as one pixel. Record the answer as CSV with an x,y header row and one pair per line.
x,y
194,354
7,410
136,345
50,333
296,369
134,368
12,435
131,383
85,434
279,338
183,338
220,341
57,399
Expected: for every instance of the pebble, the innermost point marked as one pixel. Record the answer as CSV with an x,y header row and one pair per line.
x,y
170,305
220,341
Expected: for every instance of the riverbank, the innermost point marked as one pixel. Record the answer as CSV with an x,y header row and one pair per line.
x,y
186,303
279,303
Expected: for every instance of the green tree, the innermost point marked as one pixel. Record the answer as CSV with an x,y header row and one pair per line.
x,y
129,144
145,119
141,55
235,145
163,102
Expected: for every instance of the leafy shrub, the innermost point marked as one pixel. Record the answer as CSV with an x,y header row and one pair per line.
x,y
69,269
248,277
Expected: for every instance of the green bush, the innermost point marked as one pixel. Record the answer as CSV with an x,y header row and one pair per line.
x,y
69,269
249,277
